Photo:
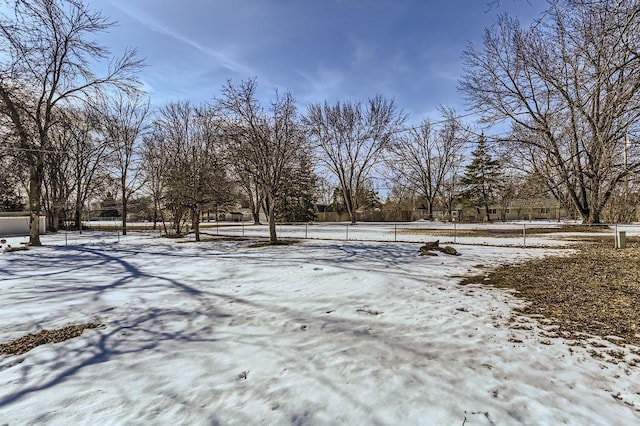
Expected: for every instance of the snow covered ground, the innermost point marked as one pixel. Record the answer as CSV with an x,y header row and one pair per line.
x,y
320,332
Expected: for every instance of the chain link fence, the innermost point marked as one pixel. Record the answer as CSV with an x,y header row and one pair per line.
x,y
524,234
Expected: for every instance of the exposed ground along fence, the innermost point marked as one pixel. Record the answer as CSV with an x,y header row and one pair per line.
x,y
508,234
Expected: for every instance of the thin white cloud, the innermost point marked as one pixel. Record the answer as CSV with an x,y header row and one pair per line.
x,y
221,58
323,79
362,53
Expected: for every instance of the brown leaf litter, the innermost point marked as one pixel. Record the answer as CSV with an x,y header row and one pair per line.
x,y
42,337
594,291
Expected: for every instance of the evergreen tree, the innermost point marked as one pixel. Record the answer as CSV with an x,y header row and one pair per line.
x,y
109,206
10,199
482,178
297,202
337,201
12,177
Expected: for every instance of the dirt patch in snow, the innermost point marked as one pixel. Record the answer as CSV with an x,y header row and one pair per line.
x,y
30,341
261,244
593,291
508,232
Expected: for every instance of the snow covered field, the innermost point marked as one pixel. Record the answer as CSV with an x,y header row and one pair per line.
x,y
320,332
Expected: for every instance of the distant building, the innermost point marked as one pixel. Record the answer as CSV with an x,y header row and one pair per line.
x,y
17,224
519,209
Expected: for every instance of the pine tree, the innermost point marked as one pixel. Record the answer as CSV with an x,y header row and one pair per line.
x,y
297,201
482,178
10,199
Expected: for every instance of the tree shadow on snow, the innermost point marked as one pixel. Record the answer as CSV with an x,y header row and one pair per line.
x,y
141,332
138,329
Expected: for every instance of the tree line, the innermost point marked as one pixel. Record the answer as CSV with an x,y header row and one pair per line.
x,y
567,86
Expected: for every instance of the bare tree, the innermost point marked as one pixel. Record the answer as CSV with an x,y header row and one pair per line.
x,y
46,48
324,190
153,167
244,175
58,165
424,157
570,86
88,152
264,142
123,126
451,187
350,138
194,171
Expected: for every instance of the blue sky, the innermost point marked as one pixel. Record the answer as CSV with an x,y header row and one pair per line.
x,y
332,50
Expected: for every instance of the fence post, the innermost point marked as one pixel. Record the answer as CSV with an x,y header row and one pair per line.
x,y
395,232
305,230
347,232
620,239
455,232
524,234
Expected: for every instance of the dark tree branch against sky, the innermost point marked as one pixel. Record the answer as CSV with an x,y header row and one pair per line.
x,y
47,50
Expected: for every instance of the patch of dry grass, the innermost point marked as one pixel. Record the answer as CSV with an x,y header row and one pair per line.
x,y
212,238
596,290
261,244
508,233
30,341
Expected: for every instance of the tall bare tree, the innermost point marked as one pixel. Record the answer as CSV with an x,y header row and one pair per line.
x,y
194,173
58,165
350,138
265,142
423,158
46,49
88,151
570,86
153,167
244,175
124,121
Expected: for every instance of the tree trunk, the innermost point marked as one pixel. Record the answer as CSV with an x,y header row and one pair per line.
x,y
255,207
352,216
195,222
164,223
78,206
124,215
55,218
78,217
486,211
155,217
273,238
36,179
351,210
